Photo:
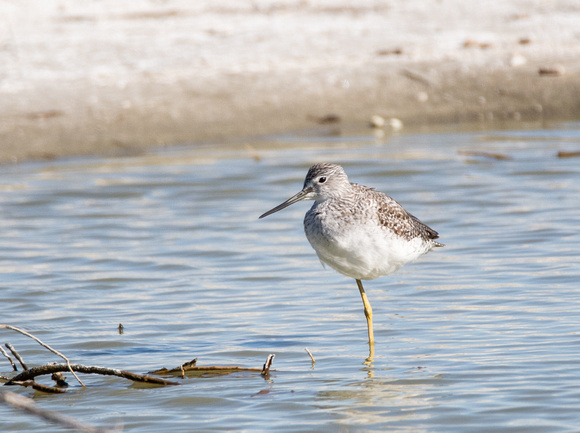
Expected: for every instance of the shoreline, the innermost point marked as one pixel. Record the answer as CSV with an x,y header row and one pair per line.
x,y
245,79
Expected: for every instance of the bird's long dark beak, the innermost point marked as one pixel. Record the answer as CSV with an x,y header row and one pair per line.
x,y
302,195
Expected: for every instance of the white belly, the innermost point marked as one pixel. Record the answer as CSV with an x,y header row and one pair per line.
x,y
363,252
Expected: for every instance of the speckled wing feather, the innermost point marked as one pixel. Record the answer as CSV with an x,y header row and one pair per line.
x,y
426,231
395,218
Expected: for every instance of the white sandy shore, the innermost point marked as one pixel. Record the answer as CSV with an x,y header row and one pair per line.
x,y
110,77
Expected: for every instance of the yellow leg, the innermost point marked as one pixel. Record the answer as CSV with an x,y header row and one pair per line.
x,y
368,314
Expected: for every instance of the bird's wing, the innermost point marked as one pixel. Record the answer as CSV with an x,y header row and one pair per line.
x,y
430,233
395,218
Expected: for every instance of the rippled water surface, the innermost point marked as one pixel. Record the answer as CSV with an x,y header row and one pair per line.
x,y
482,335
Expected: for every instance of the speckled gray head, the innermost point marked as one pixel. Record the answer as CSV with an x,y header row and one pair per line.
x,y
322,182
326,181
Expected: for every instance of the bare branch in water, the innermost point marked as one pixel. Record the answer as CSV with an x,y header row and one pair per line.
x,y
56,352
268,364
16,355
38,386
54,368
215,369
9,359
59,379
491,155
568,154
310,354
26,378
193,369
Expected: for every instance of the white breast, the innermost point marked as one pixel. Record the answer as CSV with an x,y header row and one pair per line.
x,y
363,251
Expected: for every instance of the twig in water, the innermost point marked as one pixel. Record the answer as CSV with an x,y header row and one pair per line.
x,y
214,369
59,379
268,364
54,368
9,359
16,355
262,392
38,386
191,363
191,367
310,354
498,156
56,352
27,405
567,154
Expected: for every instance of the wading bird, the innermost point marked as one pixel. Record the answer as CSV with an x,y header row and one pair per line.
x,y
361,233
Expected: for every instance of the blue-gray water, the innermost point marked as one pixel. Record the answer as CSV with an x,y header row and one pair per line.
x,y
482,335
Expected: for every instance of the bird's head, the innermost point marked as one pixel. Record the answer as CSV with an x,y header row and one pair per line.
x,y
323,181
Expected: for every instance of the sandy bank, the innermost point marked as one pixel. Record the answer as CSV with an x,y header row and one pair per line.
x,y
114,78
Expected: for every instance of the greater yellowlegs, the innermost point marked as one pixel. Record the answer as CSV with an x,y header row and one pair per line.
x,y
360,232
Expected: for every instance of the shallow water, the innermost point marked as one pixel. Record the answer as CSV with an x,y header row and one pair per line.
x,y
481,335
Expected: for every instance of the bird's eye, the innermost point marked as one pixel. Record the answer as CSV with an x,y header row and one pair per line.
x,y
322,179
